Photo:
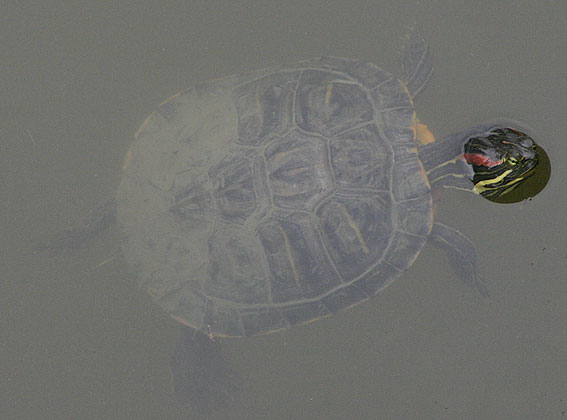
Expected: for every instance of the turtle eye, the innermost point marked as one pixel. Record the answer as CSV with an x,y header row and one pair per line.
x,y
513,160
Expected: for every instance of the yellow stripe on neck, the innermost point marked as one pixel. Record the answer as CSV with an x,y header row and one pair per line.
x,y
482,186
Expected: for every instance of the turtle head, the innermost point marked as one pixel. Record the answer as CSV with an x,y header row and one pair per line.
x,y
501,159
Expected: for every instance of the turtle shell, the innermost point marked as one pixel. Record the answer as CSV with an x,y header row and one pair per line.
x,y
260,201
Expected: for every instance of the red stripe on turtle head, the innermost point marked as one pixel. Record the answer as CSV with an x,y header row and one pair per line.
x,y
481,160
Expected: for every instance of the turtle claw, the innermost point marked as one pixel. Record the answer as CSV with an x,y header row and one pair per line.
x,y
462,255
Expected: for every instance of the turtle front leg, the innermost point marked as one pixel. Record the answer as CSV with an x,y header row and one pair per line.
x,y
462,255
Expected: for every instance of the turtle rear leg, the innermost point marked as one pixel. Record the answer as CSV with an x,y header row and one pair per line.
x,y
462,255
201,377
98,221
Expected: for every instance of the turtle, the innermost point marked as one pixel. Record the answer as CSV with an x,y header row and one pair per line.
x,y
261,201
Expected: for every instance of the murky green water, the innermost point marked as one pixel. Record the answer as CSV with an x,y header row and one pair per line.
x,y
79,340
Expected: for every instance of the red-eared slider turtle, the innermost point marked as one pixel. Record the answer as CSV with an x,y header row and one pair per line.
x,y
261,201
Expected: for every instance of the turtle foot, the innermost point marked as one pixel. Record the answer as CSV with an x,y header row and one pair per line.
x,y
201,376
